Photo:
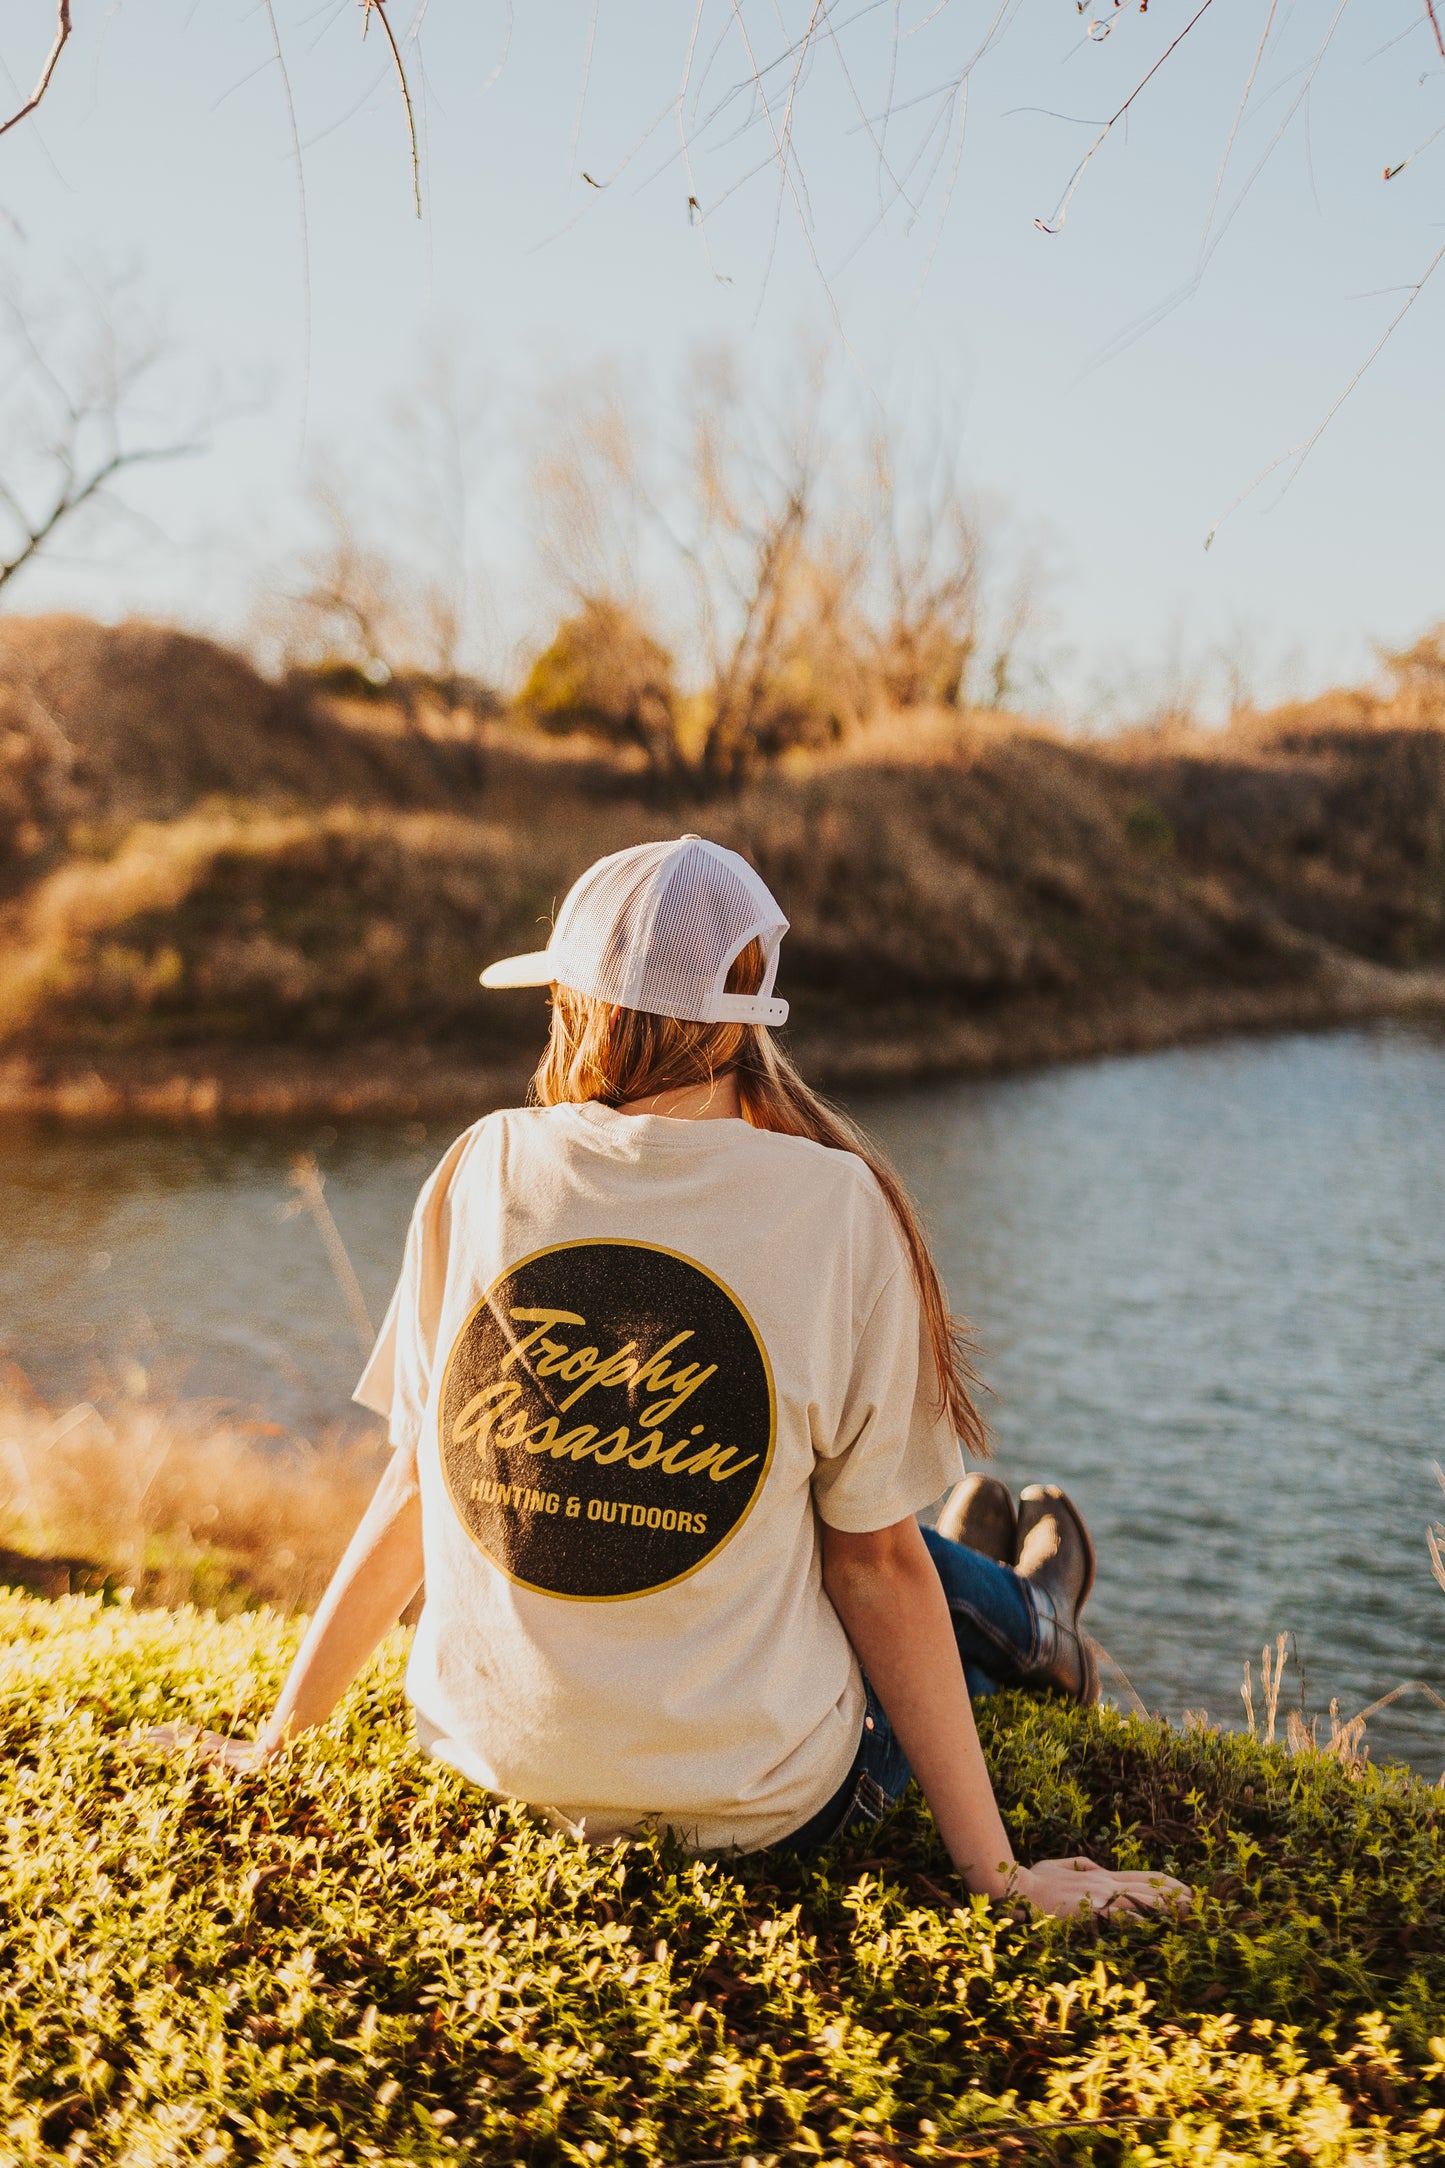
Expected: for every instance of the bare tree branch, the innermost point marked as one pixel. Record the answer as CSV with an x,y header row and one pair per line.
x,y
1435,26
72,496
68,414
62,32
496,73
275,28
1433,137
1300,452
1239,112
1155,316
378,8
1054,224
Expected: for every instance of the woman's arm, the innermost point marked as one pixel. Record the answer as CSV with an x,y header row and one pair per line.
x,y
885,1588
375,1581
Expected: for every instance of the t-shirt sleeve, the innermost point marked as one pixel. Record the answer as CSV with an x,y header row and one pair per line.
x,y
396,1382
894,1450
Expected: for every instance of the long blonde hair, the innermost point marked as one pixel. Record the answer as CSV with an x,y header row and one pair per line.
x,y
614,1055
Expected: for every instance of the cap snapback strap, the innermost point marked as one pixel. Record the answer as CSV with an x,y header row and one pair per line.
x,y
751,1009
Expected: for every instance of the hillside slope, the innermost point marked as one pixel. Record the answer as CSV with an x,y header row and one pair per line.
x,y
102,724
1332,815
239,894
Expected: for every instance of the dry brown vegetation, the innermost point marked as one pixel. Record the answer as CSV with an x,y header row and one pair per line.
x,y
103,725
208,877
179,1504
1330,813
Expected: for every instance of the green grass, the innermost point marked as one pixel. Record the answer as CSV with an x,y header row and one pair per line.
x,y
355,1958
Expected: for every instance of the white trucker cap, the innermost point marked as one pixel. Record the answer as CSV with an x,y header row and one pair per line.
x,y
657,928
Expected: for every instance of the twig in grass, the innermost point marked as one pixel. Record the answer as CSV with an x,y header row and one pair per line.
x,y
1346,1734
1272,1663
1435,1534
1345,1737
1406,1686
1117,1668
309,1185
1273,1671
62,32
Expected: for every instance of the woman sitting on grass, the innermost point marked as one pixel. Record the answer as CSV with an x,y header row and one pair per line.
x,y
669,1373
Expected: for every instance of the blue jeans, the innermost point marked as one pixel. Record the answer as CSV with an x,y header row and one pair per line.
x,y
996,1628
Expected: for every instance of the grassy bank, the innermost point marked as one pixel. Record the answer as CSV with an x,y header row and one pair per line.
x,y
288,916
354,1958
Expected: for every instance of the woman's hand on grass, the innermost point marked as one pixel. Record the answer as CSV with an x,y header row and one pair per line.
x,y
1067,1887
376,1580
244,1756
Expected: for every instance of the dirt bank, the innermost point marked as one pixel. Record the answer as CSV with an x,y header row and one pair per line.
x,y
399,1082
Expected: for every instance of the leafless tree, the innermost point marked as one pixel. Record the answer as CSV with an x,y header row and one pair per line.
x,y
802,575
387,595
347,609
76,414
929,541
717,521
773,587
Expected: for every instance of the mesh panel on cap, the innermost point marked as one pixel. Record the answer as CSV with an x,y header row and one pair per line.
x,y
705,914
602,927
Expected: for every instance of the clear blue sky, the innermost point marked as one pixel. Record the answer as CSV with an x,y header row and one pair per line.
x,y
164,147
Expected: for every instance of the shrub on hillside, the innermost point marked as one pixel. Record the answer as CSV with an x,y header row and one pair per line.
x,y
1418,673
604,673
923,661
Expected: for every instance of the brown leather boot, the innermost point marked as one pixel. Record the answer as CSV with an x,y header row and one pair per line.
x,y
1056,1559
979,1513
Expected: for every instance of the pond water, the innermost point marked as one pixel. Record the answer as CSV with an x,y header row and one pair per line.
x,y
1210,1285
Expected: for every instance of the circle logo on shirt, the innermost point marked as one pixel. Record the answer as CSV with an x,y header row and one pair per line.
x,y
607,1419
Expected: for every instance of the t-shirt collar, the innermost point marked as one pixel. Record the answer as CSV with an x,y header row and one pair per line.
x,y
664,1132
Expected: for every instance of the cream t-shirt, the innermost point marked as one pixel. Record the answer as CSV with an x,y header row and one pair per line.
x,y
638,1357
